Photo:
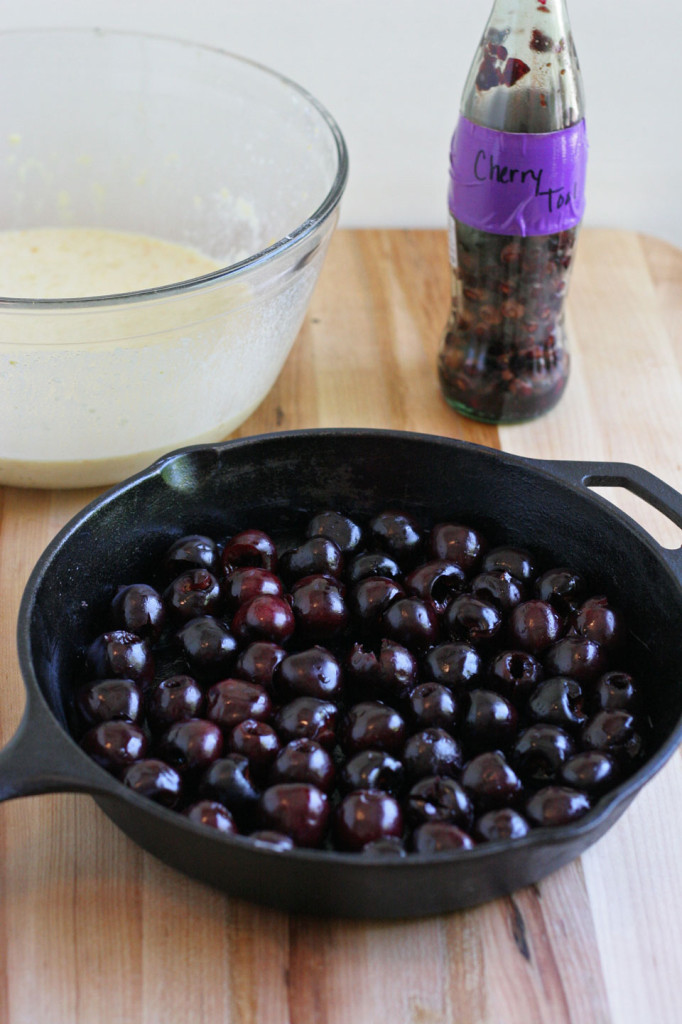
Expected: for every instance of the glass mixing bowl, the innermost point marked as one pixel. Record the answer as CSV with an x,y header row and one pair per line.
x,y
180,142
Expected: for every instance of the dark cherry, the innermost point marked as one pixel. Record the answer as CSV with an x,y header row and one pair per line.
x,y
107,699
213,815
195,592
319,608
249,581
174,699
139,608
192,745
268,839
557,805
313,672
304,760
207,645
439,798
371,725
309,718
598,621
616,691
472,620
256,741
387,673
534,626
373,563
540,752
516,561
370,598
115,745
560,587
345,533
250,547
121,655
366,817
500,824
410,622
456,665
258,662
372,769
431,752
195,551
560,701
440,837
232,701
432,705
575,656
317,556
593,771
491,781
264,618
228,780
498,587
489,721
613,732
399,534
297,809
516,674
155,780
389,846
459,544
436,582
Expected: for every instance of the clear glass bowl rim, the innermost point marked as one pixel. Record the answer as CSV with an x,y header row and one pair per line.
x,y
223,274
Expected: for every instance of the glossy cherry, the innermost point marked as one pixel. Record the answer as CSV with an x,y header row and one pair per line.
x,y
440,837
231,701
154,780
456,665
229,781
534,626
366,817
304,760
139,608
491,781
120,654
399,534
195,592
339,528
258,662
319,608
312,672
560,701
556,805
174,699
432,704
249,581
211,814
256,741
298,809
115,745
107,699
207,645
250,547
439,798
410,622
516,561
193,551
501,824
372,769
372,725
431,752
263,618
436,582
191,746
472,620
309,718
516,674
457,543
317,556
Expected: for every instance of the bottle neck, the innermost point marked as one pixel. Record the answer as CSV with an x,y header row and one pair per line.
x,y
525,76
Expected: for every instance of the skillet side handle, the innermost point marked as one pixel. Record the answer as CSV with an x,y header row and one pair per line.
x,y
40,758
638,481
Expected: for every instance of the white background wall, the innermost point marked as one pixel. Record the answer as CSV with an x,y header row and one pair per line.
x,y
392,71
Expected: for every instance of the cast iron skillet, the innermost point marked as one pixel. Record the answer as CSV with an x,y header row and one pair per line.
x,y
279,478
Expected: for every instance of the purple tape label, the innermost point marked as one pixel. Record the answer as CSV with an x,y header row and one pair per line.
x,y
510,183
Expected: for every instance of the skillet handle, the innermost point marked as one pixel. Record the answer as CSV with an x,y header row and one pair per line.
x,y
40,758
638,481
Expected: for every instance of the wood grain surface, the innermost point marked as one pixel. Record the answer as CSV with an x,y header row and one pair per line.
x,y
95,931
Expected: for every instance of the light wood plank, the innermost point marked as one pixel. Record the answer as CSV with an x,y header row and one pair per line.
x,y
95,931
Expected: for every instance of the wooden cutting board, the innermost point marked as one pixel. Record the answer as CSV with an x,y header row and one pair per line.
x,y
95,931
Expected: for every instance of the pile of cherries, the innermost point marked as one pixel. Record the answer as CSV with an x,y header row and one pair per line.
x,y
368,687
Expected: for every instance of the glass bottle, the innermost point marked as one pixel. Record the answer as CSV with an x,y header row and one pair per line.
x,y
517,175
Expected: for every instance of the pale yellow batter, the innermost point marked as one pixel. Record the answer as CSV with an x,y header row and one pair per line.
x,y
57,263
